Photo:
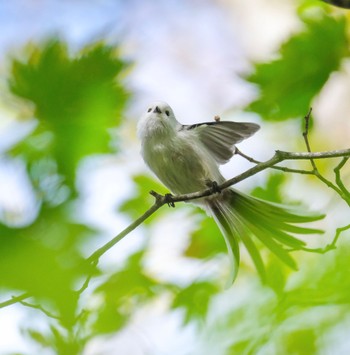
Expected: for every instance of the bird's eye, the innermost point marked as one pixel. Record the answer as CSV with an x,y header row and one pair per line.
x,y
149,110
167,112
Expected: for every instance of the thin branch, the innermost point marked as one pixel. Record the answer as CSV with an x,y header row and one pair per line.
x,y
337,235
313,155
247,157
87,280
340,189
280,168
15,299
161,200
339,181
282,156
39,307
306,137
328,247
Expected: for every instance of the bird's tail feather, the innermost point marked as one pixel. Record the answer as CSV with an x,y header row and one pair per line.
x,y
240,217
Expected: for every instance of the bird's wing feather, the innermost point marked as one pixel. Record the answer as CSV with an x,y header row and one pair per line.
x,y
220,137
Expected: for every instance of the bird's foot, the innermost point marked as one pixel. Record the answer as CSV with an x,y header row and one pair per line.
x,y
213,185
169,200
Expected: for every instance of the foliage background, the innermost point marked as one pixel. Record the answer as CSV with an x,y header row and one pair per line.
x,y
71,177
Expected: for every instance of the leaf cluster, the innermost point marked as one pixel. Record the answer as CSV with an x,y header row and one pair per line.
x,y
76,99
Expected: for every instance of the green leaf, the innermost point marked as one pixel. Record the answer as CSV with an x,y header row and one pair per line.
x,y
289,83
44,260
272,191
324,282
195,300
76,100
129,282
65,344
206,241
300,342
109,319
122,293
38,337
276,276
142,200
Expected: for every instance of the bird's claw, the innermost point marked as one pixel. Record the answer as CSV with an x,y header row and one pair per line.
x,y
168,198
213,185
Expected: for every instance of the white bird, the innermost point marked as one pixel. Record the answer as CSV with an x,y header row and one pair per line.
x,y
186,159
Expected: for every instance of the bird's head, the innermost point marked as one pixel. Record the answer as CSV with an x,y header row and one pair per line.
x,y
158,119
162,110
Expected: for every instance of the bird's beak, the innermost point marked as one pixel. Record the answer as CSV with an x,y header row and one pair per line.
x,y
157,110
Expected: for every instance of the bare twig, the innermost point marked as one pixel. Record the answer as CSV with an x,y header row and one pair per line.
x,y
315,169
328,247
345,191
161,200
282,156
87,280
340,189
15,299
306,137
39,307
281,168
337,235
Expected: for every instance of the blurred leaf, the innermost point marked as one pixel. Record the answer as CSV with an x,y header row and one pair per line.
x,y
289,84
129,282
44,260
240,347
124,292
65,344
301,342
324,282
109,319
272,191
276,276
142,200
194,300
295,320
76,100
38,337
206,241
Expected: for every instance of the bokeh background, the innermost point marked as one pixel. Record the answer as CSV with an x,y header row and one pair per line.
x,y
75,76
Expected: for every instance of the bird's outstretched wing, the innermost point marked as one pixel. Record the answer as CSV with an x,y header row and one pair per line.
x,y
220,137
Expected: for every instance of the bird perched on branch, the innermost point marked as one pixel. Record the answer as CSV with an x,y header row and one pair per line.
x,y
186,159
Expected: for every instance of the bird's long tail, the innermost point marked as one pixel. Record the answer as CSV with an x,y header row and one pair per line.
x,y
241,217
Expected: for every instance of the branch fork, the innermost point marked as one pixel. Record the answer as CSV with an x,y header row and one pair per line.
x,y
277,158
